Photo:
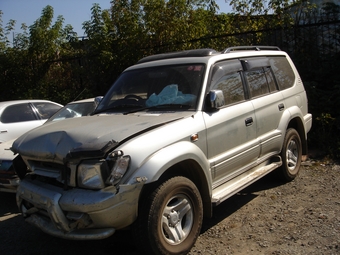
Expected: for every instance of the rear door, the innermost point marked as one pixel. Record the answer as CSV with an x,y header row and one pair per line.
x,y
16,120
267,101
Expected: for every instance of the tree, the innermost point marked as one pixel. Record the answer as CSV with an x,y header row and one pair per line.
x,y
99,52
35,54
131,29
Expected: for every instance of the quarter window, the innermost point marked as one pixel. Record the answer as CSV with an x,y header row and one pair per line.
x,y
283,72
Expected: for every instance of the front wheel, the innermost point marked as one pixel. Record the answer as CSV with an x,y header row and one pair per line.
x,y
170,220
291,155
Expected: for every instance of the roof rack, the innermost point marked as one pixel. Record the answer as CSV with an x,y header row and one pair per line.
x,y
179,54
256,48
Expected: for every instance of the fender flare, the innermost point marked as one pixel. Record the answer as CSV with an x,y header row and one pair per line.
x,y
293,117
153,167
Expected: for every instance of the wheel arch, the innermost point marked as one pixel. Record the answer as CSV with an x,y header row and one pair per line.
x,y
190,169
179,159
297,124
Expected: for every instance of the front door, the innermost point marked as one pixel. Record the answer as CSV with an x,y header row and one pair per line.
x,y
231,131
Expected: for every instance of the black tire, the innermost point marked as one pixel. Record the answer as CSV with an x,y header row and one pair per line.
x,y
170,219
291,155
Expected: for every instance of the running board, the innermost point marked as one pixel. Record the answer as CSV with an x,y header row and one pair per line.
x,y
240,182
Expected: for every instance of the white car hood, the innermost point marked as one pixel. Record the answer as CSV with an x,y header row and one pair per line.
x,y
87,137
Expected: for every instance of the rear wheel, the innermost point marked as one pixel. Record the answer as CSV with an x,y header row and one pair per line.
x,y
170,220
291,155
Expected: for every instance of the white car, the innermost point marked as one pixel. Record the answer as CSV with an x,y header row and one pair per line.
x,y
19,116
76,109
8,178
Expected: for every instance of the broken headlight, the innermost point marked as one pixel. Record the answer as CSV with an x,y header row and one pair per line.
x,y
97,174
119,168
91,174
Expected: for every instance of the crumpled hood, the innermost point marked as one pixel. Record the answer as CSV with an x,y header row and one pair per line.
x,y
86,137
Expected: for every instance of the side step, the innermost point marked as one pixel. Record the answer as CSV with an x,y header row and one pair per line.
x,y
240,182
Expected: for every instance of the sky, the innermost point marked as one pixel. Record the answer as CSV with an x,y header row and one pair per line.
x,y
75,12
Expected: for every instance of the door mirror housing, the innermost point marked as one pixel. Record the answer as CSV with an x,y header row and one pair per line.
x,y
97,100
215,100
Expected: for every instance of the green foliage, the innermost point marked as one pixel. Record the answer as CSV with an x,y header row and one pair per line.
x,y
47,59
261,7
325,127
5,33
30,68
317,58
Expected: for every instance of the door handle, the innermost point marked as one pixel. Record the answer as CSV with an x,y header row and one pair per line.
x,y
281,107
248,121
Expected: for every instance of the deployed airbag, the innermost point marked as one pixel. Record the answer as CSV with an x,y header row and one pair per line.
x,y
170,95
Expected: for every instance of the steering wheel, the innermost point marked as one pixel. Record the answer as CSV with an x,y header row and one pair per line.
x,y
133,97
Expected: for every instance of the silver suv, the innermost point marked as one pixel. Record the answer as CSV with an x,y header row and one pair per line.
x,y
175,135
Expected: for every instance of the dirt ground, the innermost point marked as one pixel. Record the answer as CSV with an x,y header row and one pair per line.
x,y
269,217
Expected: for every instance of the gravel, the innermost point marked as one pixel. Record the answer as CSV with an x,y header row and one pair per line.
x,y
268,217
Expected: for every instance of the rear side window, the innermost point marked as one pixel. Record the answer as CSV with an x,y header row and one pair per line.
x,y
270,80
283,72
257,82
46,110
17,113
260,81
226,77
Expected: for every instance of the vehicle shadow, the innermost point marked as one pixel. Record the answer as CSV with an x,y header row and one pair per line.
x,y
245,196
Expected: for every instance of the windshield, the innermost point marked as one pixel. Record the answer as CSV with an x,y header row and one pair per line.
x,y
73,110
175,86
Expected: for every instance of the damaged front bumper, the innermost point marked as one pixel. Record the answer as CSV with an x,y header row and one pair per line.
x,y
78,213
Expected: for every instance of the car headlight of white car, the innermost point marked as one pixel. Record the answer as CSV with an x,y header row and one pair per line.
x,y
97,174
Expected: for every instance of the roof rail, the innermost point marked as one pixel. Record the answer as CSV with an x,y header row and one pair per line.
x,y
256,48
179,54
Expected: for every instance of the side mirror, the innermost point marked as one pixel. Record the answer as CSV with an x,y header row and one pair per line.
x,y
215,99
97,100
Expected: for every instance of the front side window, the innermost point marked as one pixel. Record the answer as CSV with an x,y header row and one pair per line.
x,y
175,86
17,113
226,77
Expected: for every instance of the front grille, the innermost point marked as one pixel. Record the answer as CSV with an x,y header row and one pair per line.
x,y
50,172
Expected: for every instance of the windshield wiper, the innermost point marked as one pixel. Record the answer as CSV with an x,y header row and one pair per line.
x,y
116,107
161,106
